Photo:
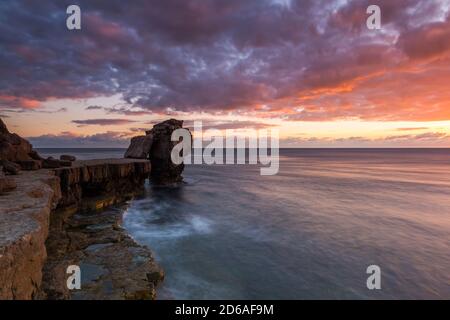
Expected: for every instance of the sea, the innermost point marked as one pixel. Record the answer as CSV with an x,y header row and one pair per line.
x,y
312,231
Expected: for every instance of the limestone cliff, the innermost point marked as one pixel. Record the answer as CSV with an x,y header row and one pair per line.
x,y
24,223
16,149
51,218
101,179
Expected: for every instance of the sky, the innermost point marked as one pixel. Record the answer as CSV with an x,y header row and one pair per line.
x,y
309,68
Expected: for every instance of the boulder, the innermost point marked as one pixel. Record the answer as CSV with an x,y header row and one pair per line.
x,y
10,167
64,163
140,147
16,149
29,165
66,157
51,163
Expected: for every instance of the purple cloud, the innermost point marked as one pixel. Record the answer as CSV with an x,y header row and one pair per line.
x,y
218,56
72,140
103,122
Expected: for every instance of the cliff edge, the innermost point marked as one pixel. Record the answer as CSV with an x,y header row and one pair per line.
x,y
58,216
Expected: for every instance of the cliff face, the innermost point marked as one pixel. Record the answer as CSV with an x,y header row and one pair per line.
x,y
24,223
44,227
28,254
16,149
101,179
113,265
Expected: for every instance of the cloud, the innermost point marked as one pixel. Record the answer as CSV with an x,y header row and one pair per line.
x,y
412,129
429,139
73,140
103,122
308,60
428,41
224,125
18,102
139,130
128,111
94,108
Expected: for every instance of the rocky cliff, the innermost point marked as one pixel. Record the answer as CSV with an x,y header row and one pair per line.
x,y
99,180
24,223
33,262
84,232
53,218
157,146
15,149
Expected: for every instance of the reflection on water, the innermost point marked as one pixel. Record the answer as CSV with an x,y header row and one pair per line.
x,y
308,232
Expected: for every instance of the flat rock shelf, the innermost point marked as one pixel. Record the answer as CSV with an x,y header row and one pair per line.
x,y
59,217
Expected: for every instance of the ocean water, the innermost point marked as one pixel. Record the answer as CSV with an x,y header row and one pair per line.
x,y
309,232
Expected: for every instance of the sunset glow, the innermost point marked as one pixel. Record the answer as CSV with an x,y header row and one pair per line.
x,y
309,68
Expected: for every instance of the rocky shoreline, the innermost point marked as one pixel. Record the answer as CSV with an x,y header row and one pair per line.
x,y
24,224
55,217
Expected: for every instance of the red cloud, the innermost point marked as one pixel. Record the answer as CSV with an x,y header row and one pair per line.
x,y
429,41
18,102
315,60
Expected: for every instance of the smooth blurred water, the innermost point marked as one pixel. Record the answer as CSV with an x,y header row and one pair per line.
x,y
309,232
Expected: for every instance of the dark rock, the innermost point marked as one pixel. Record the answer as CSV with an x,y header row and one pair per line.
x,y
29,165
166,127
66,157
113,265
140,147
10,167
35,156
13,147
51,163
164,171
157,146
3,128
65,163
6,184
112,179
16,149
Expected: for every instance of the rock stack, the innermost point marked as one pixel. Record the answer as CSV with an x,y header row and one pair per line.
x,y
157,146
